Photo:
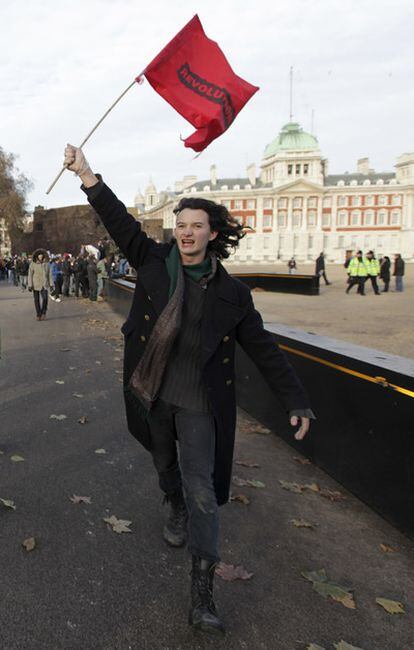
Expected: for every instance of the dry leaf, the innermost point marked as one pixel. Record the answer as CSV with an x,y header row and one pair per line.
x,y
8,503
16,458
66,349
386,548
1,452
83,419
391,606
246,463
100,451
315,646
98,363
72,367
292,487
313,487
259,429
240,498
76,499
118,525
302,461
333,495
77,395
301,523
241,482
88,371
59,381
29,543
325,588
343,645
231,572
57,417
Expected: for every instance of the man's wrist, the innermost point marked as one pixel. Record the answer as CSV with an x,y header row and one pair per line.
x,y
88,178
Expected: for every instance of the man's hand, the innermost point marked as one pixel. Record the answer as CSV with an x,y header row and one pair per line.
x,y
304,426
76,162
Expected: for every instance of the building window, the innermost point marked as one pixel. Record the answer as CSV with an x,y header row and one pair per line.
x,y
367,241
310,241
297,169
281,219
39,226
382,218
356,200
282,203
296,219
326,220
369,218
226,204
383,199
396,199
312,202
297,202
305,169
342,218
268,203
251,204
327,202
238,204
355,218
267,221
266,243
250,221
395,217
369,200
312,218
342,201
290,170
341,241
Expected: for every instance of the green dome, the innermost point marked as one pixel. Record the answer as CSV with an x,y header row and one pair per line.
x,y
291,138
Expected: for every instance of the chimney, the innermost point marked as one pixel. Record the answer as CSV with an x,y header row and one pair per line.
x,y
251,174
363,166
213,175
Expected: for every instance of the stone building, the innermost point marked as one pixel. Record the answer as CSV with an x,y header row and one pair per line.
x,y
293,206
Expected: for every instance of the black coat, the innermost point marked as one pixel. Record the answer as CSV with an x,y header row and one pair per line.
x,y
229,316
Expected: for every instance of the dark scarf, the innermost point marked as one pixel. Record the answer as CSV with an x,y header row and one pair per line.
x,y
145,381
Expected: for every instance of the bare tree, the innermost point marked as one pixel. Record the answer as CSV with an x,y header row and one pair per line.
x,y
14,187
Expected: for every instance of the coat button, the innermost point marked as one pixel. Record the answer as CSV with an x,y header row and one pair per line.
x,y
146,317
226,338
228,382
226,360
149,298
143,339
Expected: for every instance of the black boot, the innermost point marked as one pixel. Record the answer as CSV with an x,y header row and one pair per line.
x,y
203,614
175,529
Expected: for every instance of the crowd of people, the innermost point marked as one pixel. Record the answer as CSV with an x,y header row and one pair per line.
x,y
63,275
361,268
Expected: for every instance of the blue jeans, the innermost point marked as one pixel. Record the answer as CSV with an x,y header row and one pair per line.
x,y
196,436
399,283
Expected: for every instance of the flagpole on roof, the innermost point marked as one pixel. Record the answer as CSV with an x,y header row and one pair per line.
x,y
136,80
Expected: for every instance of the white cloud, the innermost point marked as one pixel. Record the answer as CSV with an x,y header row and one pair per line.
x,y
63,64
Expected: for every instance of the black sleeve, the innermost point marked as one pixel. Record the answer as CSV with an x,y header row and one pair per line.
x,y
123,228
270,360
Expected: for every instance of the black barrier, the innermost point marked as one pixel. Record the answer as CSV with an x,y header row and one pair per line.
x,y
281,282
364,403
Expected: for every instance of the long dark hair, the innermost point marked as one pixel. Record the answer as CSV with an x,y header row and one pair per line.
x,y
229,230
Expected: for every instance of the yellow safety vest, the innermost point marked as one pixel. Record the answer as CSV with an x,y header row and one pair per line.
x,y
357,268
373,266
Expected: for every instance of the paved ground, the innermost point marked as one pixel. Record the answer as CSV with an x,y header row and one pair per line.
x,y
384,322
85,587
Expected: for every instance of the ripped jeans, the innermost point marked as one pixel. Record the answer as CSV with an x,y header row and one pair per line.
x,y
192,471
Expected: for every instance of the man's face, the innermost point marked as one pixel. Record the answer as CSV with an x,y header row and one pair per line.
x,y
40,257
192,232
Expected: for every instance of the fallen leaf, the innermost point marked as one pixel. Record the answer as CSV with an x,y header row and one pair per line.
x,y
313,487
241,482
391,606
59,381
259,429
386,548
88,371
292,487
72,367
66,349
325,588
76,499
83,419
99,363
302,461
118,525
117,359
333,495
246,463
1,452
343,645
231,572
301,523
77,395
119,372
16,458
315,646
29,543
57,417
100,451
8,503
240,498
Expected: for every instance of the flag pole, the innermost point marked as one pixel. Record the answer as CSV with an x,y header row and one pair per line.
x,y
136,80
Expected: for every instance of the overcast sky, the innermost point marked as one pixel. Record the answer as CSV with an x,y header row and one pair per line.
x,y
63,63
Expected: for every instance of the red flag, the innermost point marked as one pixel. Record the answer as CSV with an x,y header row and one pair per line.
x,y
194,76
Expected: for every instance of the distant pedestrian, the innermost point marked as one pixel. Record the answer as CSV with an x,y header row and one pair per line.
x,y
358,273
399,269
66,271
385,272
320,268
39,282
102,267
292,266
92,277
56,272
373,269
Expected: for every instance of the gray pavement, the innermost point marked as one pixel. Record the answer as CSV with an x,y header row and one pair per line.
x,y
86,587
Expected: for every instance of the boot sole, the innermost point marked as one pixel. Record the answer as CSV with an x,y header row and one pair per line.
x,y
173,543
200,628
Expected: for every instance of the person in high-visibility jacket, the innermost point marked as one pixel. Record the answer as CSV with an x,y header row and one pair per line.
x,y
373,268
358,273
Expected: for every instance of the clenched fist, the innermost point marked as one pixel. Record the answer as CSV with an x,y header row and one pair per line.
x,y
75,160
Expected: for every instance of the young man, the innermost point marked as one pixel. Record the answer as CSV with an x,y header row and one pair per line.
x,y
399,269
373,270
186,316
357,271
39,281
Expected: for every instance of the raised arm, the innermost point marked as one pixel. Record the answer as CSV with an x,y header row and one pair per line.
x,y
123,228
